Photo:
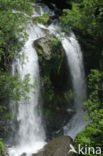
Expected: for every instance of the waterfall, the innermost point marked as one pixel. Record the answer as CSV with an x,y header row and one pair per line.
x,y
31,136
75,64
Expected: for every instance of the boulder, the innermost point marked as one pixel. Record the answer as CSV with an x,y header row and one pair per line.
x,y
59,146
49,47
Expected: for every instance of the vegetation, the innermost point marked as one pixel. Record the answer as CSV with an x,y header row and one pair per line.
x,y
2,147
14,16
93,133
52,68
44,19
86,19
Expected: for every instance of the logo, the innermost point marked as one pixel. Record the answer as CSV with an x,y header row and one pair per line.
x,y
85,150
72,149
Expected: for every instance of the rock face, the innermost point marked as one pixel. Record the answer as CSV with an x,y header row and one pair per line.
x,y
5,128
57,147
5,153
48,47
55,84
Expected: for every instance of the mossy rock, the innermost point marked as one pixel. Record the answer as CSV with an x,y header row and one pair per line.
x,y
55,82
49,47
52,68
51,58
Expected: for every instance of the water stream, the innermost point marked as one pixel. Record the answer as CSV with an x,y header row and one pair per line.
x,y
76,66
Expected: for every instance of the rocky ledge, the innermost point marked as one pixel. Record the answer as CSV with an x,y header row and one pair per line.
x,y
59,146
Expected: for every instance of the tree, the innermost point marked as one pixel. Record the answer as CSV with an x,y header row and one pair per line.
x,y
86,20
14,16
12,36
93,133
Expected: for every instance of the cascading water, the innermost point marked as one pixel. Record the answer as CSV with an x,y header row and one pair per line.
x,y
75,63
76,67
31,136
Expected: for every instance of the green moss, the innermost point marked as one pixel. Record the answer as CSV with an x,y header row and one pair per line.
x,y
40,52
44,19
68,95
59,54
47,113
2,147
7,115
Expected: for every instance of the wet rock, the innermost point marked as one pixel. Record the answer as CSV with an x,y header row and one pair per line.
x,y
5,153
37,9
5,128
59,146
24,154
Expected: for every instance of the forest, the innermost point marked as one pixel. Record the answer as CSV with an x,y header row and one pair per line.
x,y
85,19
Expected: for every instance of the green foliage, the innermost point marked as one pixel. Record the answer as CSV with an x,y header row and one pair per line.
x,y
55,44
93,133
2,147
14,16
68,95
70,18
86,15
86,20
44,19
12,25
40,52
13,88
